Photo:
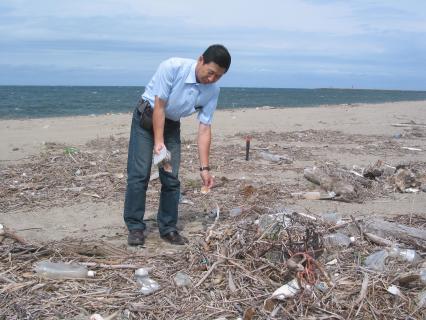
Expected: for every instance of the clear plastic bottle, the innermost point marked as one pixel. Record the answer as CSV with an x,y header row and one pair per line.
x,y
337,240
61,270
408,255
147,285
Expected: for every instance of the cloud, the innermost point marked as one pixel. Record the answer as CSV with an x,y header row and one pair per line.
x,y
322,38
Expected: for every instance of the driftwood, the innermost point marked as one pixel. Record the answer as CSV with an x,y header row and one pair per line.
x,y
406,234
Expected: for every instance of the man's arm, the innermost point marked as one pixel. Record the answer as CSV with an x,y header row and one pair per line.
x,y
204,141
158,119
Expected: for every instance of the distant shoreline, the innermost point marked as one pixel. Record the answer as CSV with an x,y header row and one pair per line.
x,y
22,138
38,102
263,107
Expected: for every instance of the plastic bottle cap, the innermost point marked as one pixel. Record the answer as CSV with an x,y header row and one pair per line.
x,y
91,273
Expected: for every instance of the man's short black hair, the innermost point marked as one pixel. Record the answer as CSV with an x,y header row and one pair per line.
x,y
218,54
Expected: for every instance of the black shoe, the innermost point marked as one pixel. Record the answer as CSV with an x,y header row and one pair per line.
x,y
135,238
175,238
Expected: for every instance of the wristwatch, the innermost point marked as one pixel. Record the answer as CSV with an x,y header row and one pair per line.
x,y
205,168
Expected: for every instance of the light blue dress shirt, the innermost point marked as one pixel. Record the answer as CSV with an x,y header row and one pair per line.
x,y
175,82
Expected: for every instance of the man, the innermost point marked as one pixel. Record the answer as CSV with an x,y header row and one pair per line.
x,y
178,88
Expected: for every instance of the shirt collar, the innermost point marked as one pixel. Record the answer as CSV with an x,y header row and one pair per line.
x,y
191,76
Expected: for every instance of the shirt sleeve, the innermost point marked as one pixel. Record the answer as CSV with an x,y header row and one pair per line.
x,y
164,77
205,115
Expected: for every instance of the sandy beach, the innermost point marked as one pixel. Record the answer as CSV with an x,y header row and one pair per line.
x,y
52,194
354,135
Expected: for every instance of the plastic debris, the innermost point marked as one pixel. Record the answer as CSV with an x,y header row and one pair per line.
x,y
289,290
408,255
275,158
162,158
394,290
181,279
147,285
332,217
376,261
337,240
61,270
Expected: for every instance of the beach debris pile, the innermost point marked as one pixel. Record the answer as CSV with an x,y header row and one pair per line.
x,y
271,263
358,184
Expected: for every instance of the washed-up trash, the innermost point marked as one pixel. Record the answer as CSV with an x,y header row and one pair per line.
x,y
322,286
61,270
405,179
235,212
289,290
184,200
181,279
412,190
333,218
272,223
411,148
337,240
394,290
275,158
408,255
376,260
146,284
314,195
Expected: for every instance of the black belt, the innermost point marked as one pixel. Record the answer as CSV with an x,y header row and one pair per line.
x,y
144,108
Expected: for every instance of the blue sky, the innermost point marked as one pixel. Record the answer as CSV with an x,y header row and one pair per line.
x,y
274,43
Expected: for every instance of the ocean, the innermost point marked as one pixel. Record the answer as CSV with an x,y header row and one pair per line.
x,y
17,102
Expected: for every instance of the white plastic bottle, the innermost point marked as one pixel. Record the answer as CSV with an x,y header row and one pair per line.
x,y
147,285
61,270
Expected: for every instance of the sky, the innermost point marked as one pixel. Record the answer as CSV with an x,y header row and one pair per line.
x,y
371,44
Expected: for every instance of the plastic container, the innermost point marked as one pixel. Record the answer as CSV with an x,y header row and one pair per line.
x,y
376,261
61,270
146,284
271,157
289,290
408,255
337,240
182,280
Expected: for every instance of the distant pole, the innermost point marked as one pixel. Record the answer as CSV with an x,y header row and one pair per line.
x,y
248,138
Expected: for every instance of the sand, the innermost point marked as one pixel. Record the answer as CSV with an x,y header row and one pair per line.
x,y
345,135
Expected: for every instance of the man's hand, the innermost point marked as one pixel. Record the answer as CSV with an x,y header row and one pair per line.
x,y
158,147
208,179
